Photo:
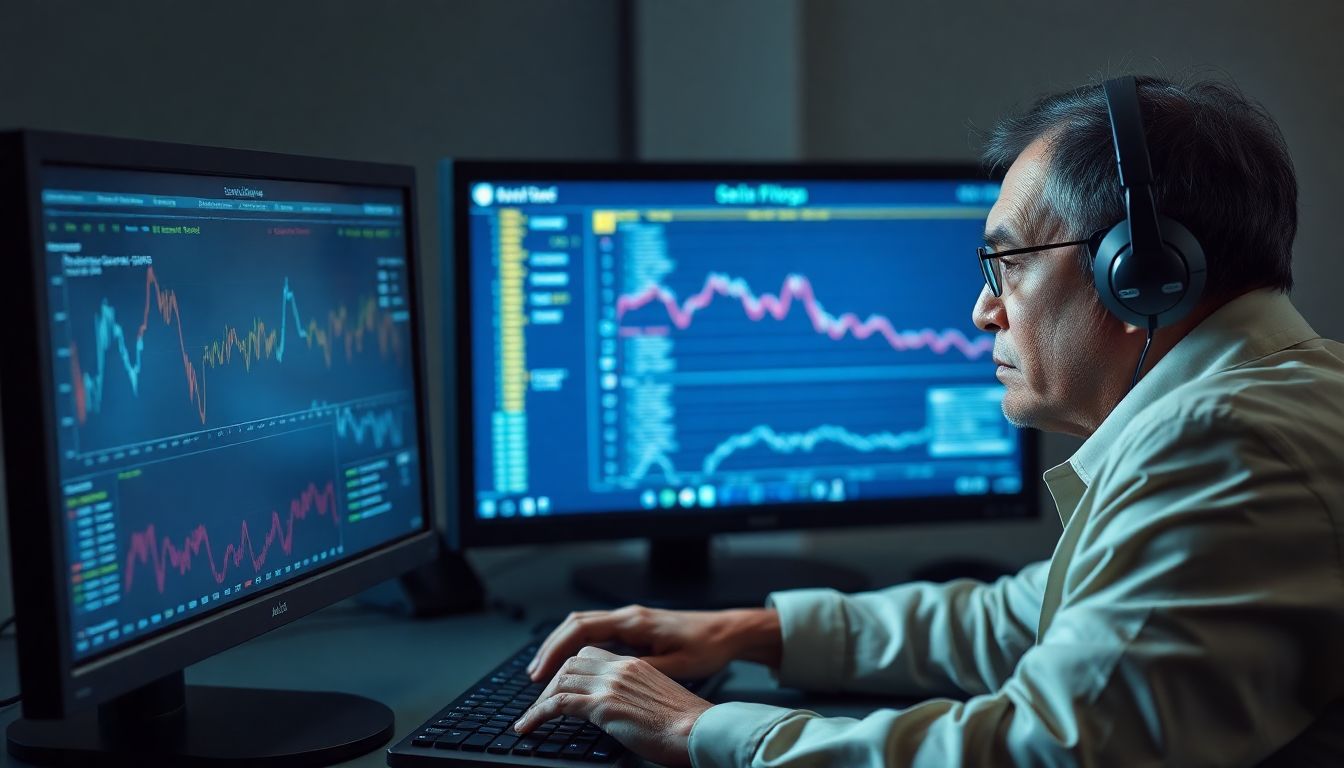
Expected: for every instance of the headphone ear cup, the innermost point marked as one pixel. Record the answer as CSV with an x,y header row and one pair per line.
x,y
1142,288
1112,246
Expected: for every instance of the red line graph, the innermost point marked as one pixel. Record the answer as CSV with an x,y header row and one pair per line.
x,y
146,548
77,380
797,287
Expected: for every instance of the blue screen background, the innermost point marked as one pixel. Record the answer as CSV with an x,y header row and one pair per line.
x,y
689,346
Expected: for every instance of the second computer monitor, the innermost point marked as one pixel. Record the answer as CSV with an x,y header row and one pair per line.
x,y
663,351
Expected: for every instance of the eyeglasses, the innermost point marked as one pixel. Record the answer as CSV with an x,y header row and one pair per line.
x,y
989,258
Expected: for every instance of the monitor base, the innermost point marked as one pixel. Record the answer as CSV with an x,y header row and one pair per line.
x,y
680,573
213,726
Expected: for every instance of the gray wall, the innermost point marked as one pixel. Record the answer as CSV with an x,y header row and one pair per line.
x,y
404,82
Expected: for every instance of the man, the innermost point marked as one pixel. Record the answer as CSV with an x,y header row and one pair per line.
x,y
1193,610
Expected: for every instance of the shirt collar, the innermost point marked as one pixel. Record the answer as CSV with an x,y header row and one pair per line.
x,y
1246,328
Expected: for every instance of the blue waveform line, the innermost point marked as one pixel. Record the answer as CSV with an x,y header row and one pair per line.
x,y
107,329
787,443
383,425
287,297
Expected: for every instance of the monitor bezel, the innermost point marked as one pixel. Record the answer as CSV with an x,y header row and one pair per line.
x,y
465,529
53,683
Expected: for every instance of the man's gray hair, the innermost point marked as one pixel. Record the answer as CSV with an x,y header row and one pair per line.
x,y
1220,163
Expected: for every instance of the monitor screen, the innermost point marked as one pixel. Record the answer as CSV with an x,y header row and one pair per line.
x,y
234,388
699,346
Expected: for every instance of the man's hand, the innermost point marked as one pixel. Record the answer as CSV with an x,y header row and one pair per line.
x,y
628,698
681,644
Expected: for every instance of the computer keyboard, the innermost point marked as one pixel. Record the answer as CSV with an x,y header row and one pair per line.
x,y
477,727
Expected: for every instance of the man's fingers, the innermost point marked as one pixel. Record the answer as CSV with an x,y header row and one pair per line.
x,y
566,678
563,703
550,638
593,652
577,631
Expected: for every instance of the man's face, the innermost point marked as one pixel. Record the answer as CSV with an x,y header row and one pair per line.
x,y
1055,344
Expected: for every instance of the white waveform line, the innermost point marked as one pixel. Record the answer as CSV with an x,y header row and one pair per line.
x,y
806,441
785,443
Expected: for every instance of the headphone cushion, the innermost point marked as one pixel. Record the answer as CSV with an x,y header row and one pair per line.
x,y
1138,287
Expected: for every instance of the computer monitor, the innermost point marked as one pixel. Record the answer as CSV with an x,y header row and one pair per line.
x,y
672,351
213,426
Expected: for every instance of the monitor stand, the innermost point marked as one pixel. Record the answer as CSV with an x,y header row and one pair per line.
x,y
169,723
682,573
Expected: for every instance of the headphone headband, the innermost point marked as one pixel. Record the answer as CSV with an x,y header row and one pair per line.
x,y
1136,170
1148,269
1131,150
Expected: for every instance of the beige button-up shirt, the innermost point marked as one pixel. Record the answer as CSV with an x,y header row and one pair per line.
x,y
1192,613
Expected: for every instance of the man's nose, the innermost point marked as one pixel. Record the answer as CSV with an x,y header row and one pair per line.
x,y
988,313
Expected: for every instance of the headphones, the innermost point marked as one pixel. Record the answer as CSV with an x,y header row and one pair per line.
x,y
1148,268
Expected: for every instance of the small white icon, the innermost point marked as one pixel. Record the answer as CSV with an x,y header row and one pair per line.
x,y
483,194
648,499
544,505
688,497
529,507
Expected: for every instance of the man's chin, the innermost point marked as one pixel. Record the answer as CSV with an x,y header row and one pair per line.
x,y
1016,414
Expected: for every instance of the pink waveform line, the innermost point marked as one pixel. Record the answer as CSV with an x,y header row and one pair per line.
x,y
145,547
797,286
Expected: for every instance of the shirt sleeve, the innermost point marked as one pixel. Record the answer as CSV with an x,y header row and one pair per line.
x,y
963,637
1199,608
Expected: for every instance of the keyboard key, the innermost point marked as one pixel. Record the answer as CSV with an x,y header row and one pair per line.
x,y
526,745
605,750
422,741
575,750
502,744
451,739
477,742
549,749
511,711
431,731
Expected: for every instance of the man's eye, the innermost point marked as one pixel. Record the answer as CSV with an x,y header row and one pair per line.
x,y
1008,264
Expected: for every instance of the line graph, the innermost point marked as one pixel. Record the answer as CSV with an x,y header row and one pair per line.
x,y
703,316
782,443
260,342
382,427
146,548
798,288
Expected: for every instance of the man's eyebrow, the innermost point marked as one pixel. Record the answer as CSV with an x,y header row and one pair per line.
x,y
1000,236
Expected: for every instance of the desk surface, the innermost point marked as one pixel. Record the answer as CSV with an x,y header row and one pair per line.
x,y
404,663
